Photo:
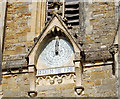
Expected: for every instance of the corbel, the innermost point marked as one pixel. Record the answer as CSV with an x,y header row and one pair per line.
x,y
79,89
32,94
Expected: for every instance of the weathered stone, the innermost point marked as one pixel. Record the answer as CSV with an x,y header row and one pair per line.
x,y
105,88
96,29
88,83
98,82
98,75
108,81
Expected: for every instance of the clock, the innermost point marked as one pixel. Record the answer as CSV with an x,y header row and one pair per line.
x,y
57,52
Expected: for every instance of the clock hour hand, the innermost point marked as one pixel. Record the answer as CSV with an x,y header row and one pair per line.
x,y
57,46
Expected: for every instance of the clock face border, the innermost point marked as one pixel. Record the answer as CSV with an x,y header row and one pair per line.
x,y
41,65
55,27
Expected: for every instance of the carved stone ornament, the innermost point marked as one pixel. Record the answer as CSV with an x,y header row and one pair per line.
x,y
57,6
52,81
32,94
113,49
79,89
54,49
56,79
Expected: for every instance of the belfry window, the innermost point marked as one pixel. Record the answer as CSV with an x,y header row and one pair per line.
x,y
69,10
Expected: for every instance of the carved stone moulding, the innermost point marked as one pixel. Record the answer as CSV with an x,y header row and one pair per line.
x,y
56,79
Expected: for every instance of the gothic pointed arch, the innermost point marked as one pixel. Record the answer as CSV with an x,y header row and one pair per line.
x,y
55,27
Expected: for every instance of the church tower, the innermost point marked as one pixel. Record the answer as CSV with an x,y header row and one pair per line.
x,y
59,48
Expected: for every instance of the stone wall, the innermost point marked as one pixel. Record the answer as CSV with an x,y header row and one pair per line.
x,y
15,85
99,30
17,29
100,25
97,82
56,86
24,22
97,33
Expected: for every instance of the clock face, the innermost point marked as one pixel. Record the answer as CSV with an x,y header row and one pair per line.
x,y
57,53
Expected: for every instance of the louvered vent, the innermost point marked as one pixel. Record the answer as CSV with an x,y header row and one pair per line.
x,y
69,8
50,10
54,7
72,12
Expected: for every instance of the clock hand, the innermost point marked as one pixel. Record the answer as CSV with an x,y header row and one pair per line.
x,y
56,46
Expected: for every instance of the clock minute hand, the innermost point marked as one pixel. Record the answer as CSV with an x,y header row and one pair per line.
x,y
57,46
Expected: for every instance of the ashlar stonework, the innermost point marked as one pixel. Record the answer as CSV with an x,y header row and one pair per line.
x,y
85,64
